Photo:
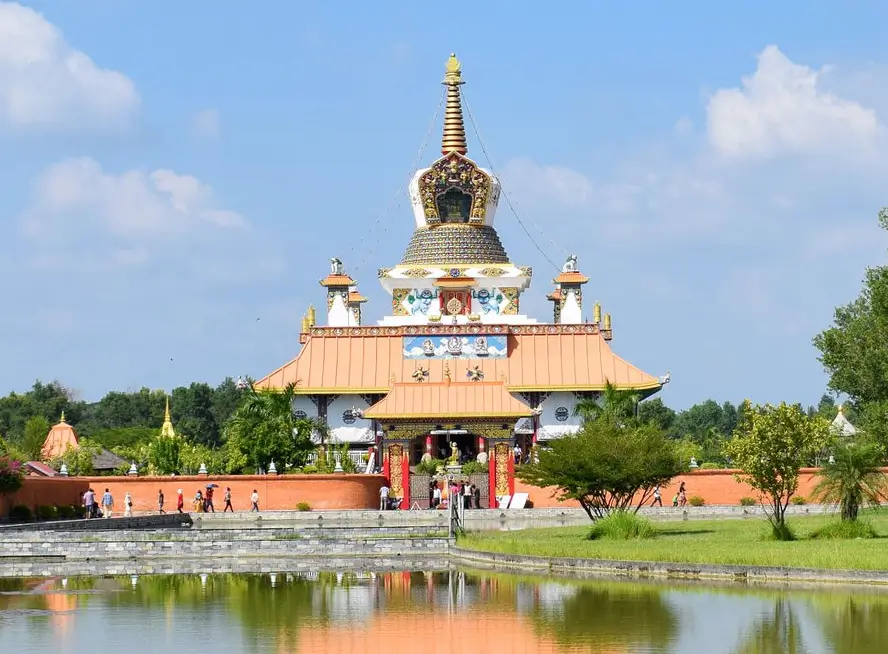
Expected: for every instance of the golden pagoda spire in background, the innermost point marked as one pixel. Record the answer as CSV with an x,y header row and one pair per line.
x,y
167,428
454,139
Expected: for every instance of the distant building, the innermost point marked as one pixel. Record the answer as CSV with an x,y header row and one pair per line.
x,y
62,438
841,425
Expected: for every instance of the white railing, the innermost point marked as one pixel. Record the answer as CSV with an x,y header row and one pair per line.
x,y
357,457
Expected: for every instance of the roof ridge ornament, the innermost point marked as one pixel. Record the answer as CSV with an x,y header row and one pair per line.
x,y
454,137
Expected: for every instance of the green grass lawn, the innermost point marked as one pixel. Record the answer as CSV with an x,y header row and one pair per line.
x,y
739,542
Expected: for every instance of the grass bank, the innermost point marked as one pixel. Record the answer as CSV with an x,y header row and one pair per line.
x,y
728,542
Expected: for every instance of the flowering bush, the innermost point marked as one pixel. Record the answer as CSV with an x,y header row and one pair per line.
x,y
10,475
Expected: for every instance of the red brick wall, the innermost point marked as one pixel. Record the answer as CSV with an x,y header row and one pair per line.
x,y
714,486
275,492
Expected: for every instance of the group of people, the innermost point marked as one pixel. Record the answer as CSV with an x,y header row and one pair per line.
x,y
679,499
202,503
470,494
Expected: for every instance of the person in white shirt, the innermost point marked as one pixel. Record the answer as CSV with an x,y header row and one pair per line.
x,y
127,505
383,497
254,501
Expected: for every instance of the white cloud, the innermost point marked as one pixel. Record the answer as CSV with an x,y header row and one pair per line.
x,y
76,199
206,124
45,83
782,108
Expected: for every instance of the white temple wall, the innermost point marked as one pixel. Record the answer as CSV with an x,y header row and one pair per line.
x,y
571,312
338,314
558,416
303,407
345,428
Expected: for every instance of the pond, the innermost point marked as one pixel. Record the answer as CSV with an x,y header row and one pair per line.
x,y
449,611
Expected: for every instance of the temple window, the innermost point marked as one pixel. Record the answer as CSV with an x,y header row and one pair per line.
x,y
454,206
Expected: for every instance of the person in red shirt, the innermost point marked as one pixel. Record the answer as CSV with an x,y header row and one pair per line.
x,y
180,500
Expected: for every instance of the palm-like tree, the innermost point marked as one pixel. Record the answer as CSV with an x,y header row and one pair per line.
x,y
266,429
614,403
854,479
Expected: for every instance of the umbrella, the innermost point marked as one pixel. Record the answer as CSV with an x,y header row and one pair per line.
x,y
212,485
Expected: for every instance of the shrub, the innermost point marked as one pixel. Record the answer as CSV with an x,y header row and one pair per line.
x,y
11,475
475,468
622,525
798,500
845,530
696,500
66,512
46,512
309,470
20,513
747,501
429,467
303,506
709,465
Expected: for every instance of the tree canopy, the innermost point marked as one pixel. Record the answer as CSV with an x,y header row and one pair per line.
x,y
770,446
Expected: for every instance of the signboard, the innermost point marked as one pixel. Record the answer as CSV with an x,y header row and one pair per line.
x,y
456,346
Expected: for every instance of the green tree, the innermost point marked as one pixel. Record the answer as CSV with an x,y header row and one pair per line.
x,y
79,460
192,412
854,479
264,429
606,465
770,446
164,455
31,444
656,412
854,350
613,403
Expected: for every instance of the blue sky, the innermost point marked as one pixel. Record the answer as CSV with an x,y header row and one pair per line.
x,y
174,176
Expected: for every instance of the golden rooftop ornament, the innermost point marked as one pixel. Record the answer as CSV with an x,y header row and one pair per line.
x,y
454,139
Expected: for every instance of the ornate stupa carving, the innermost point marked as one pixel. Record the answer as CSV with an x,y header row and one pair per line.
x,y
455,267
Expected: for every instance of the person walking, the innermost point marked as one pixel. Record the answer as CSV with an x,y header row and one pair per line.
x,y
107,504
208,503
160,501
682,495
127,505
657,497
180,500
89,503
227,498
432,486
467,495
383,497
254,501
437,496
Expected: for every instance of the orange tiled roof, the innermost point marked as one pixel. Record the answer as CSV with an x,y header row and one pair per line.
x,y
570,278
58,440
456,400
337,280
554,295
355,297
540,358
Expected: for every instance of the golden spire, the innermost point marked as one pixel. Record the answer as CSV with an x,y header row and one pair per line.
x,y
305,325
607,322
63,415
596,313
454,130
167,428
311,316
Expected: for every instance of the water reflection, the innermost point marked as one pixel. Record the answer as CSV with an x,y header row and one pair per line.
x,y
429,612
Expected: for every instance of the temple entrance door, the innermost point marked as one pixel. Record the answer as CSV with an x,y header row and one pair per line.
x,y
467,445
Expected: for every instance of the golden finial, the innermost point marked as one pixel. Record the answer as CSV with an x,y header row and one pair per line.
x,y
454,139
596,313
607,322
63,415
312,317
166,413
305,325
841,412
